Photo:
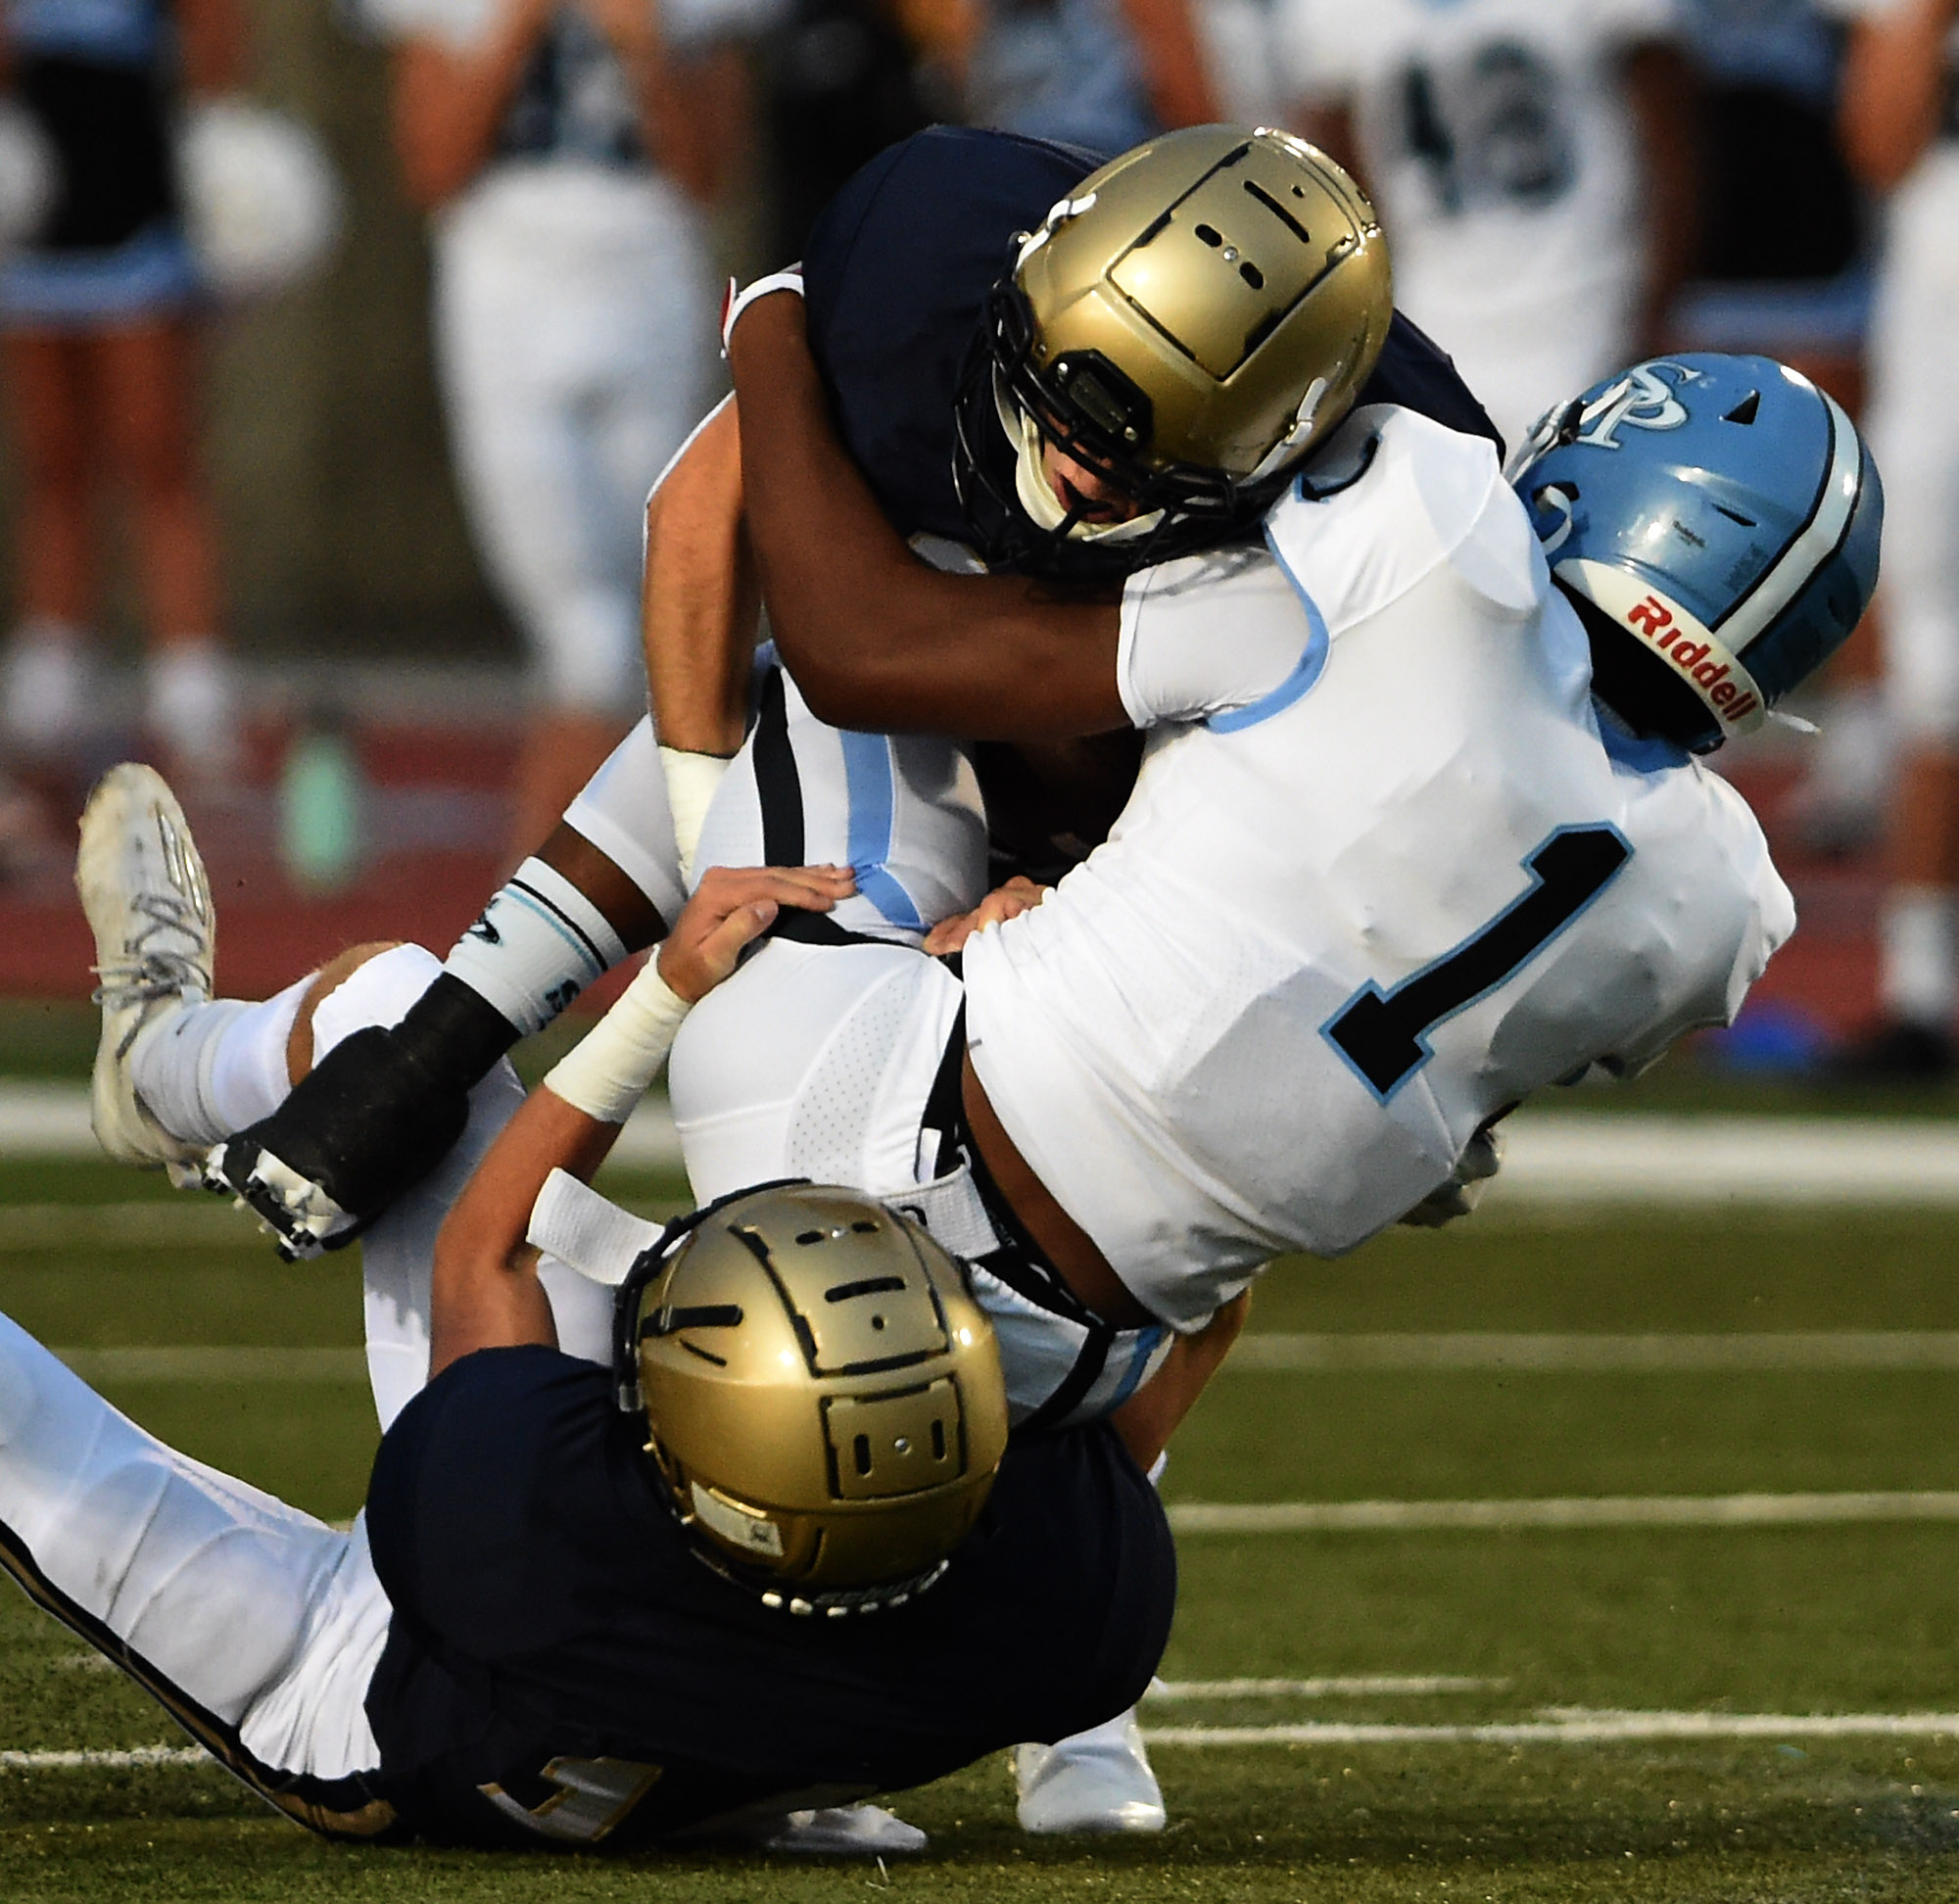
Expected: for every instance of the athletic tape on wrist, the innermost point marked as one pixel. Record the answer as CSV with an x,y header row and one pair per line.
x,y
537,944
692,778
607,1072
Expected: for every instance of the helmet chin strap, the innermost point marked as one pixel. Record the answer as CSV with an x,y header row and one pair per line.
x,y
1036,494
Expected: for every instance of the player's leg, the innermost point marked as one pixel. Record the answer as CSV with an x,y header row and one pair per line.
x,y
178,1071
257,1627
147,379
54,439
514,345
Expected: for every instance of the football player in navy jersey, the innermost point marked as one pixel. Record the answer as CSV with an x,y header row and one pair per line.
x,y
757,1546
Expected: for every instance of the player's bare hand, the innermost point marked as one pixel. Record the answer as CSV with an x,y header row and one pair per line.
x,y
1009,901
730,908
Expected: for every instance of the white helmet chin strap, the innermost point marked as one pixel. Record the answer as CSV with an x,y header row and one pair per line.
x,y
1697,655
1036,494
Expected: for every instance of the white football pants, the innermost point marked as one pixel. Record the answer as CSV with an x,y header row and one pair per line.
x,y
574,326
257,1626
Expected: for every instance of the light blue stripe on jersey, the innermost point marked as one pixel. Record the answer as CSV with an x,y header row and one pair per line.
x,y
118,33
1146,1347
1297,684
868,779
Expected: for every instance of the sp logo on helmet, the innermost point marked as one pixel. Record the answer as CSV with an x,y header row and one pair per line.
x,y
1641,400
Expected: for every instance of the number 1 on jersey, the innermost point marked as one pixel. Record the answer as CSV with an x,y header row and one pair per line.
x,y
1384,1034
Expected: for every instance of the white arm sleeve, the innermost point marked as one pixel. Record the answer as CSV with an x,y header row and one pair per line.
x,y
1207,635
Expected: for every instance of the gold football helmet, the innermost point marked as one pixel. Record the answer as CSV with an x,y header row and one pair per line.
x,y
1189,323
824,1398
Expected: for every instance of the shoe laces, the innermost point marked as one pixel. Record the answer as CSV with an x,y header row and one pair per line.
x,y
148,970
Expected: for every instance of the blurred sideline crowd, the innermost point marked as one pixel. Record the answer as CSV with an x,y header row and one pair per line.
x,y
1569,185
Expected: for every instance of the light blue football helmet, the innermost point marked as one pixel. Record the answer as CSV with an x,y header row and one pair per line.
x,y
1722,512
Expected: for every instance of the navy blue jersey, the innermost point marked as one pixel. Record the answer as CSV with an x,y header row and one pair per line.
x,y
896,274
562,1666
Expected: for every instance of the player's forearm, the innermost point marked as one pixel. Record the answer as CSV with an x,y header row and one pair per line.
x,y
448,104
700,600
486,1293
876,638
1894,81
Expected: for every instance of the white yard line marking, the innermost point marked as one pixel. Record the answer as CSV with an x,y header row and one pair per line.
x,y
1353,1685
1605,1510
1575,1728
50,1119
199,1221
216,1364
106,1761
1639,1159
1563,1157
1808,1350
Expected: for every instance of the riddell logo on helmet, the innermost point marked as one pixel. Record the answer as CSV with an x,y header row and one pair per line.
x,y
1654,622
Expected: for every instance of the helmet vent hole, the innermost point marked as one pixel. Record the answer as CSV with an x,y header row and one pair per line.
x,y
1735,515
877,1322
1252,275
865,1227
1278,210
1210,236
870,1286
810,1236
860,1454
937,1439
1745,412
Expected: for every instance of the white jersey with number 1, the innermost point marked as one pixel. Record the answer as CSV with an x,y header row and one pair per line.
x,y
1338,928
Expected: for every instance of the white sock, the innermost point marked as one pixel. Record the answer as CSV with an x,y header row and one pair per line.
x,y
213,1069
1919,940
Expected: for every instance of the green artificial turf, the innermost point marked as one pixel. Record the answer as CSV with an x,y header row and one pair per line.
x,y
1785,1620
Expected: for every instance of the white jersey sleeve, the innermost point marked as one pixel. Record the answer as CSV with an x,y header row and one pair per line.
x,y
1210,635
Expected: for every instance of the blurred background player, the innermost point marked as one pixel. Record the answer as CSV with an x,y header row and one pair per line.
x,y
1532,160
565,153
1900,124
1102,75
100,339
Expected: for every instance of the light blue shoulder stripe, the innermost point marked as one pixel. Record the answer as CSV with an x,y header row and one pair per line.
x,y
1296,685
868,779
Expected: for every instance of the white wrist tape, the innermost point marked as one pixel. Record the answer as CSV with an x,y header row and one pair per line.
x,y
736,302
538,943
607,1072
692,778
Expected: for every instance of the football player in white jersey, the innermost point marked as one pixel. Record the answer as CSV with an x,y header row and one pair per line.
x,y
1532,162
1900,124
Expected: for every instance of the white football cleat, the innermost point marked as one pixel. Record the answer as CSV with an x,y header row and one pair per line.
x,y
842,1831
1098,1780
143,888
